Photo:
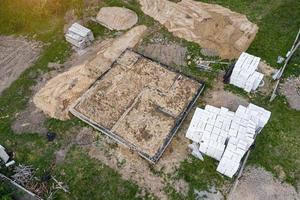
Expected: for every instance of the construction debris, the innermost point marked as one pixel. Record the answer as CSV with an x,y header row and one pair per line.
x,y
139,103
23,174
244,74
79,36
289,55
3,155
55,98
225,135
116,18
211,26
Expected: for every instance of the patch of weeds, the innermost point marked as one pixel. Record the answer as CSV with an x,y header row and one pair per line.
x,y
99,30
172,193
278,143
5,192
236,90
200,175
100,181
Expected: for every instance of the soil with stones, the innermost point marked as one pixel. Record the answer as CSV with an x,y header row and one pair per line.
x,y
16,55
258,184
133,167
291,90
80,136
267,70
31,120
170,54
218,97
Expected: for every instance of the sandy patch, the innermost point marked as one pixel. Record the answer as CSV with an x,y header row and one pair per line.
x,y
117,18
210,25
16,55
258,184
64,89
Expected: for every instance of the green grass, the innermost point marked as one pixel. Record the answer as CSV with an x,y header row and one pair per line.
x,y
200,175
278,143
88,178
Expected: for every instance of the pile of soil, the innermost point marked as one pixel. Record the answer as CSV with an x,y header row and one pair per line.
x,y
211,26
117,18
60,92
16,55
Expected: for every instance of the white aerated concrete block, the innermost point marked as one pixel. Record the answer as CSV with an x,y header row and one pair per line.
x,y
244,74
212,128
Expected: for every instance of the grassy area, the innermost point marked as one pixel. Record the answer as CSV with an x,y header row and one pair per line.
x,y
87,178
44,20
277,147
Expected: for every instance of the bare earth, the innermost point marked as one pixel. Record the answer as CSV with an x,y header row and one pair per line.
x,y
291,90
55,98
133,167
16,55
169,54
117,18
211,26
138,100
258,184
218,97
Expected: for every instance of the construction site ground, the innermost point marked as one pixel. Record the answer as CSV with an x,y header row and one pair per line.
x,y
95,166
139,100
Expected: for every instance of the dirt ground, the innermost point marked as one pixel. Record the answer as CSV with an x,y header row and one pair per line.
x,y
258,184
268,71
133,167
218,97
64,89
31,120
117,18
139,100
212,26
170,54
16,55
290,88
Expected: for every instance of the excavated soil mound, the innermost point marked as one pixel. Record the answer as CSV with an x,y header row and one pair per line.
x,y
63,90
16,55
211,26
291,90
116,18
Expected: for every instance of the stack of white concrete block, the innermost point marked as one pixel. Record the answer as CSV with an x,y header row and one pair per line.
x,y
225,135
244,74
79,36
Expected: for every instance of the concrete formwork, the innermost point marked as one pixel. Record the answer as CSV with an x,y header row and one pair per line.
x,y
139,103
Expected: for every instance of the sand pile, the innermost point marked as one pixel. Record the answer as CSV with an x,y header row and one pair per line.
x,y
61,91
211,26
117,18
